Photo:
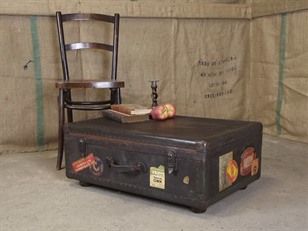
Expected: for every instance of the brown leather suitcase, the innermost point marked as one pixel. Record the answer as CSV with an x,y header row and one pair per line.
x,y
185,160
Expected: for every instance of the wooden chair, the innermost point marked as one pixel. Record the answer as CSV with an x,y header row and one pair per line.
x,y
65,100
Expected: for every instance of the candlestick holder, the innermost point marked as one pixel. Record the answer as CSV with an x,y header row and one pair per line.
x,y
154,94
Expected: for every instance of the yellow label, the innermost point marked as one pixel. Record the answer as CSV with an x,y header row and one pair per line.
x,y
157,177
255,167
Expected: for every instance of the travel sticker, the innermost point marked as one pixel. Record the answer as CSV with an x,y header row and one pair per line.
x,y
255,166
186,180
157,177
247,158
97,168
232,171
223,165
84,162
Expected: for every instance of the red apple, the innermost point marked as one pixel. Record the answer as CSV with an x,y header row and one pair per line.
x,y
170,110
159,112
162,112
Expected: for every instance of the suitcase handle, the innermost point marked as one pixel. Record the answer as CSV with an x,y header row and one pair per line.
x,y
139,167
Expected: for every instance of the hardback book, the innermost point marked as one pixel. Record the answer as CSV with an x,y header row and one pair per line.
x,y
124,118
131,109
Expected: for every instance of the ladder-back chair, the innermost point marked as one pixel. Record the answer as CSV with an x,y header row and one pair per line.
x,y
65,98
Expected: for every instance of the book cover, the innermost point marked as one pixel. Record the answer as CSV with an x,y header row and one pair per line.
x,y
124,118
131,109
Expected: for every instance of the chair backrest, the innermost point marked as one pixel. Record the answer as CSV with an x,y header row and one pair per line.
x,y
61,18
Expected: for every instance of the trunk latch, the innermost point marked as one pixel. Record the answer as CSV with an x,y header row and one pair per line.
x,y
171,162
82,146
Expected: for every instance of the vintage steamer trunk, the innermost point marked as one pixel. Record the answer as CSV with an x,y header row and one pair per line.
x,y
185,160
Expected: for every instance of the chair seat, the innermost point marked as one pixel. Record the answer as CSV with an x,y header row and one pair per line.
x,y
88,84
88,107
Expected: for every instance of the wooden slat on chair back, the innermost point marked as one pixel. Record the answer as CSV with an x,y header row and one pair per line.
x,y
87,45
98,17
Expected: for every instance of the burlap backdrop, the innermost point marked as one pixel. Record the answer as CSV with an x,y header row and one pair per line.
x,y
279,74
226,68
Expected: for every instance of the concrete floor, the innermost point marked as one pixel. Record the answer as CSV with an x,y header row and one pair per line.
x,y
34,196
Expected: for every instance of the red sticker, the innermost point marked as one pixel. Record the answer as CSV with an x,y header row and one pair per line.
x,y
247,159
84,163
232,171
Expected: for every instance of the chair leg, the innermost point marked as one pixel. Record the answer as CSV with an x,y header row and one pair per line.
x,y
116,95
67,95
119,99
69,115
60,131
